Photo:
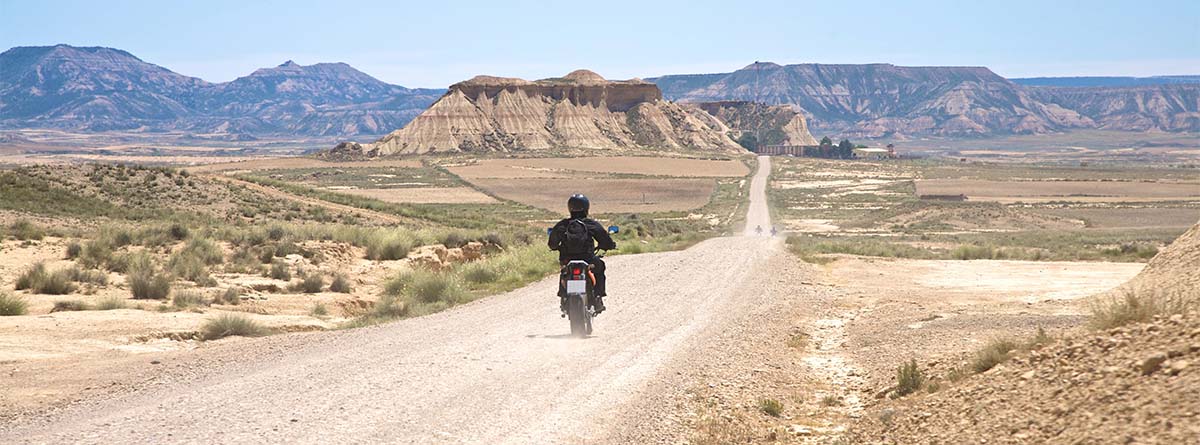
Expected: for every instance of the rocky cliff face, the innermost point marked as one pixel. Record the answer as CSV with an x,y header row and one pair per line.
x,y
1166,107
102,88
580,110
771,124
882,99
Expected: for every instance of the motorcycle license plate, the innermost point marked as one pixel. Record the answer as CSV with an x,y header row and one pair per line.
x,y
576,286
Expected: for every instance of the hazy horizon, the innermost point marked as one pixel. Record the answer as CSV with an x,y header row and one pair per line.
x,y
421,45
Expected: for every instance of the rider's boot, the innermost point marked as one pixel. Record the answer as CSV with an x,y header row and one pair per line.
x,y
598,304
562,305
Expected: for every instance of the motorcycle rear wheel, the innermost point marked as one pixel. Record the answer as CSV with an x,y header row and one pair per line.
x,y
581,325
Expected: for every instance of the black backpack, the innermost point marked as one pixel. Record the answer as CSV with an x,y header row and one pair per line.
x,y
577,240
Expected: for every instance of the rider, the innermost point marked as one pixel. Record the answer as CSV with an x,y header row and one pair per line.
x,y
758,230
573,239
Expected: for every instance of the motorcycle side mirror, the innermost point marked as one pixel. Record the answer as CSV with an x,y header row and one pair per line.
x,y
549,230
614,229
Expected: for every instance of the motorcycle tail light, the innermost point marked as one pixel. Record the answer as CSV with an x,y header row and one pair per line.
x,y
576,271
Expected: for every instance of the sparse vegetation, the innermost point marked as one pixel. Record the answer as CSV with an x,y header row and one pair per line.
x,y
40,281
73,250
909,379
69,305
226,325
23,229
1137,306
831,400
188,298
340,284
12,305
231,296
770,407
111,303
280,271
310,283
994,353
319,310
145,282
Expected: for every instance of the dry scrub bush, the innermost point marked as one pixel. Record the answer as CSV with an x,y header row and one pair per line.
x,y
319,310
39,281
226,325
1139,306
909,379
279,271
145,282
183,299
111,303
310,283
771,407
994,353
25,230
340,284
426,286
69,305
73,250
390,246
12,305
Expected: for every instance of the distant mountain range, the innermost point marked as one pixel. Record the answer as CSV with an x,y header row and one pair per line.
x,y
97,89
879,100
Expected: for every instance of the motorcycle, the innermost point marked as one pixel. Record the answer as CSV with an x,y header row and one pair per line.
x,y
575,284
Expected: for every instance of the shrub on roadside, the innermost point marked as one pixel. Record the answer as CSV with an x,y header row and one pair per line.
x,y
310,283
12,305
426,286
389,246
1138,306
231,296
771,407
909,379
24,230
145,282
319,310
994,353
279,271
74,250
79,275
226,325
340,284
183,299
40,281
111,303
69,305
479,273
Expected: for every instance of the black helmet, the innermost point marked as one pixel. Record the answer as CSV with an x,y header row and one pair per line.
x,y
578,205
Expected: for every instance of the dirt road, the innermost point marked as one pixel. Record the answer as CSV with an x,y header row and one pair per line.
x,y
500,370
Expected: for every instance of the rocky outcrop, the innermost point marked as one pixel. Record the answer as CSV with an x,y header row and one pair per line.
x,y
579,110
770,124
96,89
882,99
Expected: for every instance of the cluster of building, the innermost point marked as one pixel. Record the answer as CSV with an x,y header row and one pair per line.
x,y
873,153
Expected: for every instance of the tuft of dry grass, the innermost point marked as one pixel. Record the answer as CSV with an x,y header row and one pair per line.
x,y
226,325
1138,306
770,407
992,354
12,305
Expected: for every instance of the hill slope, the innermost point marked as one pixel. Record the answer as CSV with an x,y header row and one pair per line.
x,y
95,89
1167,107
1134,384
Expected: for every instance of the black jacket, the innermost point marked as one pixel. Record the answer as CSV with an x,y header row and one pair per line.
x,y
599,235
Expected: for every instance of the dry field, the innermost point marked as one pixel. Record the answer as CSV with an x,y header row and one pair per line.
x,y
1042,191
424,195
289,163
607,195
626,165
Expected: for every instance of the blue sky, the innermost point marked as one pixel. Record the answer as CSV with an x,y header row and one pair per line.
x,y
433,44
